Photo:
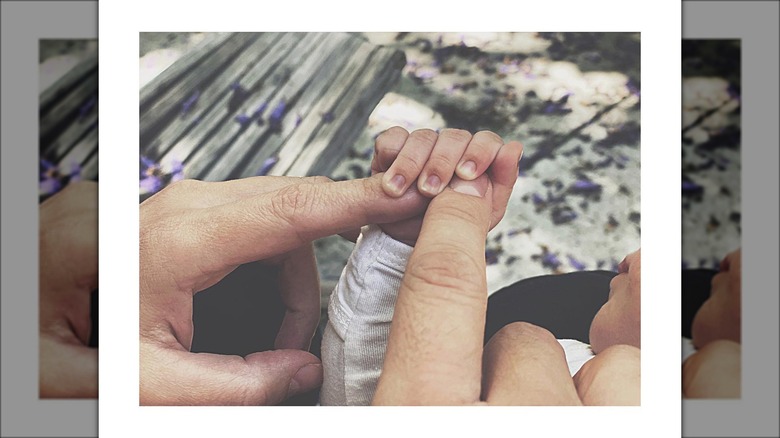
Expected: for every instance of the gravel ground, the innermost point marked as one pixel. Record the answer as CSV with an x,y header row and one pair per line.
x,y
711,152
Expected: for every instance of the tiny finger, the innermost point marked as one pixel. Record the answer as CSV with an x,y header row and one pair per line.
x,y
440,167
481,151
409,163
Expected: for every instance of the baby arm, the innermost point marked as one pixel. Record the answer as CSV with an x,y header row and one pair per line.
x,y
362,305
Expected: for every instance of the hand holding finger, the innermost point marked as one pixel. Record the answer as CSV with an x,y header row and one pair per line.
x,y
434,352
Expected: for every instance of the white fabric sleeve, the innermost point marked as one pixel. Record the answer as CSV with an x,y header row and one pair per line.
x,y
359,316
687,348
577,354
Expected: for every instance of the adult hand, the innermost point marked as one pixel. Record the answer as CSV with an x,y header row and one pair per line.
x,y
434,353
68,273
194,233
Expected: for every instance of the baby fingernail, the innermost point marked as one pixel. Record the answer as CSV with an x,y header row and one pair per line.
x,y
468,168
397,183
432,184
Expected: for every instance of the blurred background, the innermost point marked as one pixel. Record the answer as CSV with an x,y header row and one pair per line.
x,y
572,99
711,151
68,116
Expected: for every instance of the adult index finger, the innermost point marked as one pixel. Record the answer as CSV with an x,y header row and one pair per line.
x,y
276,222
434,352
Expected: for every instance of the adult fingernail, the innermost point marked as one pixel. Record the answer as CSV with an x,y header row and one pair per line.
x,y
468,169
432,184
476,187
397,183
306,379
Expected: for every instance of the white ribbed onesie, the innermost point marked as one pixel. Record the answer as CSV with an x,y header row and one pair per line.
x,y
360,312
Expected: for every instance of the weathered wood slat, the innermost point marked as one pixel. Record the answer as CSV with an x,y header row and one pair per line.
x,y
332,140
289,94
59,89
311,122
184,65
80,151
326,74
59,146
197,144
210,96
296,100
66,109
89,170
169,103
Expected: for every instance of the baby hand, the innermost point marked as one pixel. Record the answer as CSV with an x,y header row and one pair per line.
x,y
433,160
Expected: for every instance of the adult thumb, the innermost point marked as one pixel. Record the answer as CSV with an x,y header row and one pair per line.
x,y
180,378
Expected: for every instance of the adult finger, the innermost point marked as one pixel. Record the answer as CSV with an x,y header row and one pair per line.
x,y
299,284
274,223
481,151
409,162
178,377
440,167
434,352
67,370
387,147
503,175
524,365
191,193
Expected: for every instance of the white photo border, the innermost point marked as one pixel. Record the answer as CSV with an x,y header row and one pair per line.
x,y
121,22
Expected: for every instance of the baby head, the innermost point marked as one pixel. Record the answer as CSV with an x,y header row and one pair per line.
x,y
618,320
720,316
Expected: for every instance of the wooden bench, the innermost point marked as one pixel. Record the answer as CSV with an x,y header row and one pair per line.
x,y
68,124
249,104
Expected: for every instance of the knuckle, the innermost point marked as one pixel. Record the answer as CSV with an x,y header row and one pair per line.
x,y
407,163
394,132
489,137
292,201
524,330
459,214
457,135
440,164
446,267
391,139
427,136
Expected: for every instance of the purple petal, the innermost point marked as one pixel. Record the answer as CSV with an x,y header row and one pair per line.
x,y
275,119
576,264
550,260
268,164
150,184
190,102
87,107
242,119
177,170
584,186
49,185
75,172
47,165
260,110
147,163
